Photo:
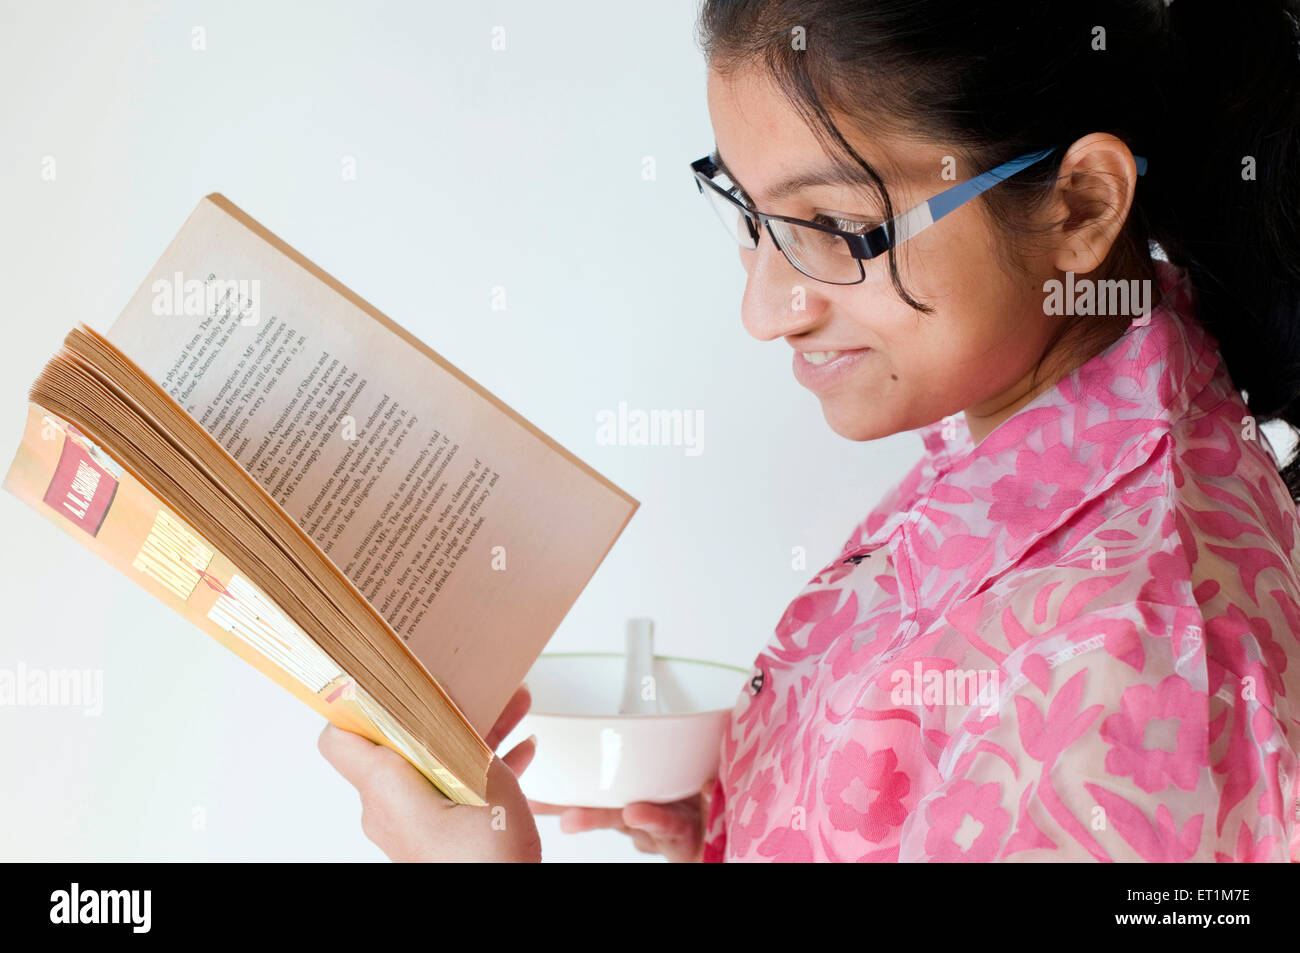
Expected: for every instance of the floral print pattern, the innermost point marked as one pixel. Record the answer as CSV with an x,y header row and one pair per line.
x,y
1076,640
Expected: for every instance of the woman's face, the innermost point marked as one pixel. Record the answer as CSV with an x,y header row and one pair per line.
x,y
903,369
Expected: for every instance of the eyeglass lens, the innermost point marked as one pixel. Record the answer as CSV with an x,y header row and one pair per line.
x,y
817,254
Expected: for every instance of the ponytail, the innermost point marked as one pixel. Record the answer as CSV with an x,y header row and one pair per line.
x,y
1223,196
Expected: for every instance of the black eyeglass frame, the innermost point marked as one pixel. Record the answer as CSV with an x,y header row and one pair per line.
x,y
880,238
862,245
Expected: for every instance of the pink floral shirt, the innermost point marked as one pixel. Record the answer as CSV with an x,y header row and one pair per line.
x,y
1078,640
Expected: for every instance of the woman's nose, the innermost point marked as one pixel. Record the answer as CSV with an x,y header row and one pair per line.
x,y
779,299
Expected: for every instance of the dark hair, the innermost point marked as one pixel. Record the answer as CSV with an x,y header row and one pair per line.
x,y
1199,87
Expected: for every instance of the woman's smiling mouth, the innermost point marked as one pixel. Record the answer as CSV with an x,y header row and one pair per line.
x,y
822,370
820,357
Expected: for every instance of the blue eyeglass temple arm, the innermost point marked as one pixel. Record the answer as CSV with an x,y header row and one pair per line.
x,y
946,201
930,211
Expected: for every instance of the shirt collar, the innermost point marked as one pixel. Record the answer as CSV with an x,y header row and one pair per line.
x,y
979,508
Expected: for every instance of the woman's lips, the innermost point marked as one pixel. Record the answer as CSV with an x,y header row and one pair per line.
x,y
835,365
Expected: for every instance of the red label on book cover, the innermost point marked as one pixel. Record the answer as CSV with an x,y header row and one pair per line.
x,y
81,489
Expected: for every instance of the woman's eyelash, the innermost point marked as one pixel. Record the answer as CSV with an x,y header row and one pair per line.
x,y
854,225
844,224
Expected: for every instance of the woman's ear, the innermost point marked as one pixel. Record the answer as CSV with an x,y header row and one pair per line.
x,y
1094,192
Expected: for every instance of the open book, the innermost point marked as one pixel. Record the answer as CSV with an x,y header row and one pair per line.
x,y
319,491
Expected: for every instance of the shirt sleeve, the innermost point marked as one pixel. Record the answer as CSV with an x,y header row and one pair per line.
x,y
1111,739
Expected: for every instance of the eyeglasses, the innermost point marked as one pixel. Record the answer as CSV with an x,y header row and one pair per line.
x,y
835,255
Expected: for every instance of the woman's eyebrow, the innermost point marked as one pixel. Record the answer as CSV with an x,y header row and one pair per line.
x,y
801,180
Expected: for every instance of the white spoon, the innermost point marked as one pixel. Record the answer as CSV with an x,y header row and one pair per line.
x,y
638,671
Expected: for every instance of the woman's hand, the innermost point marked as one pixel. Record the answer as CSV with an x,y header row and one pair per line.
x,y
675,830
410,820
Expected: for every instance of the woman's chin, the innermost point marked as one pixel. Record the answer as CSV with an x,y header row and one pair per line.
x,y
854,426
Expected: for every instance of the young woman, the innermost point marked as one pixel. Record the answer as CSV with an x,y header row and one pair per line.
x,y
1061,242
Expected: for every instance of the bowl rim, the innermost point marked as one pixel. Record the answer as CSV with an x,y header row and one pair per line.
x,y
615,715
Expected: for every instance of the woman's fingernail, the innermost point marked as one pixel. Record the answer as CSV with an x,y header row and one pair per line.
x,y
533,739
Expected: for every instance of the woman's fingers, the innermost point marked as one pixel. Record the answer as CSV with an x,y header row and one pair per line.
x,y
672,829
589,817
644,842
576,819
520,756
510,716
660,820
351,755
541,807
677,819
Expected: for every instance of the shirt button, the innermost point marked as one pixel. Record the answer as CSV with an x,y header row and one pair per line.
x,y
756,683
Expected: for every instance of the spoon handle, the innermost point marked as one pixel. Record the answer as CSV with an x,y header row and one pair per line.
x,y
638,668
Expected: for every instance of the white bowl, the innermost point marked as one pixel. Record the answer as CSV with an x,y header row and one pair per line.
x,y
589,755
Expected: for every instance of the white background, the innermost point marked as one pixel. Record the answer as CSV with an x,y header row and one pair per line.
x,y
520,168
